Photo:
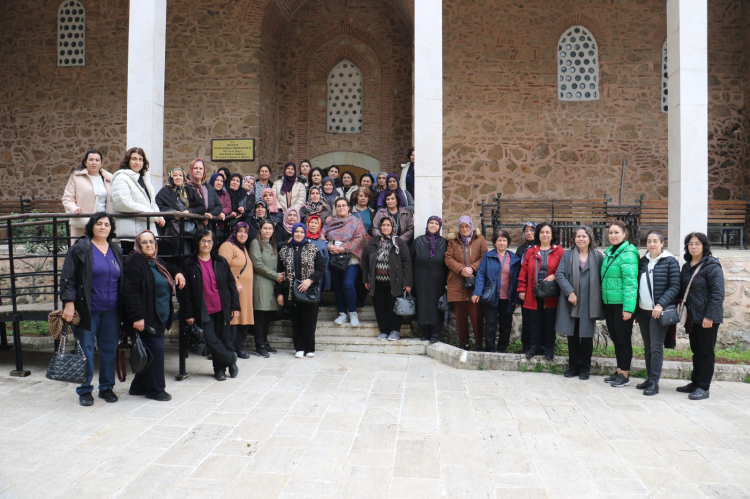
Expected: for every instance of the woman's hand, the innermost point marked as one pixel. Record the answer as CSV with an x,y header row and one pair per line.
x,y
189,322
139,325
179,280
626,315
407,289
550,277
209,218
367,286
656,313
239,288
304,285
522,296
707,323
68,311
235,314
280,300
467,272
160,222
474,299
78,210
280,278
222,216
234,214
573,299
241,209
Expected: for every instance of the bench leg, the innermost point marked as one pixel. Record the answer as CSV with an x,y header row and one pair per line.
x,y
19,371
181,375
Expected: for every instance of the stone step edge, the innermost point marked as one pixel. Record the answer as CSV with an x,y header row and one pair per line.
x,y
483,361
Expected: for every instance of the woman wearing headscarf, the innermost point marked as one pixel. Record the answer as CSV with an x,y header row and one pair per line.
x,y
329,192
288,190
403,219
91,284
462,258
236,194
276,215
263,181
430,273
346,236
87,191
391,185
284,234
234,251
302,266
148,287
254,219
211,300
217,183
177,197
314,225
196,179
315,205
265,259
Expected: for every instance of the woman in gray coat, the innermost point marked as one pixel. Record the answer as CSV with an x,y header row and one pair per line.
x,y
580,303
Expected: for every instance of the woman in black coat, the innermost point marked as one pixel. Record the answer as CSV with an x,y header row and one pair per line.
x,y
176,196
149,284
705,305
211,299
387,274
430,275
658,287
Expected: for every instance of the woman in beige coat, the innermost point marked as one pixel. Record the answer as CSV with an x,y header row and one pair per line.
x,y
235,253
87,191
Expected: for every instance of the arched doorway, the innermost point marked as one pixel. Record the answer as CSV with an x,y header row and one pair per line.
x,y
355,162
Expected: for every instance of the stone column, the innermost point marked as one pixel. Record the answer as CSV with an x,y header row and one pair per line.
x,y
687,50
428,111
146,55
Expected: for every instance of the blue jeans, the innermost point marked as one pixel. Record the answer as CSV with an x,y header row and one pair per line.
x,y
105,333
346,293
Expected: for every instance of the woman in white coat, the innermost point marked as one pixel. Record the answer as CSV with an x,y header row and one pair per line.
x,y
132,192
290,192
87,191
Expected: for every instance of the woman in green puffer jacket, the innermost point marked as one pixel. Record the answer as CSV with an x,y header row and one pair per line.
x,y
619,295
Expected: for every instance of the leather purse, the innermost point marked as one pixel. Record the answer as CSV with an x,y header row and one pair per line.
x,y
140,356
310,295
405,305
545,289
68,367
468,281
669,314
339,261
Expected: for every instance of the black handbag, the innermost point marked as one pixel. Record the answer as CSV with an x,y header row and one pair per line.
x,y
68,367
669,314
140,356
195,340
468,281
339,261
489,293
311,295
545,289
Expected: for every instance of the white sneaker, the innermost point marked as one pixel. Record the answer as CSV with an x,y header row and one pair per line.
x,y
299,354
310,354
353,319
341,319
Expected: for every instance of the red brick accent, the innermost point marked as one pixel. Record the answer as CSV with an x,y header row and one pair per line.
x,y
578,20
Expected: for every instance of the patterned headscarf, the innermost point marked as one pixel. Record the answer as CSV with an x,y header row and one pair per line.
x,y
294,228
288,226
433,237
466,220
192,182
307,229
318,207
387,241
350,231
273,206
233,237
159,266
179,191
245,180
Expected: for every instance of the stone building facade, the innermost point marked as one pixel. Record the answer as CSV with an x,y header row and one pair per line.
x,y
257,68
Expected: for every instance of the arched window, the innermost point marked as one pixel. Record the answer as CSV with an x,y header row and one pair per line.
x,y
577,65
664,80
71,34
344,98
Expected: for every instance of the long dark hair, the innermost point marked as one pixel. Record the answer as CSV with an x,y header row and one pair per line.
x,y
704,241
125,163
86,157
538,230
89,230
316,169
200,235
271,240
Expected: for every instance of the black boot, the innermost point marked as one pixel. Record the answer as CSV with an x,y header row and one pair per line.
x,y
534,350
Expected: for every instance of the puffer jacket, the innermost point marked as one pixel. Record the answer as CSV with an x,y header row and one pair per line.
x,y
620,276
298,195
665,281
706,297
127,196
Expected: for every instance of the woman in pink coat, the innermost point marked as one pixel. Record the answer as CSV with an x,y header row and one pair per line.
x,y
87,191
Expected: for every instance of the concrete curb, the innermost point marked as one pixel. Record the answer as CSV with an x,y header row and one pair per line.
x,y
462,359
35,342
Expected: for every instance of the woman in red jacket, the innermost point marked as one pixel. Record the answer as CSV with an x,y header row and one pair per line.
x,y
540,263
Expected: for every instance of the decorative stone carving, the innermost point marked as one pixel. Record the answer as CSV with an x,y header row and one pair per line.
x,y
71,34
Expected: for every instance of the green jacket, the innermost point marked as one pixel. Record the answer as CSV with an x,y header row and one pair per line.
x,y
264,276
620,277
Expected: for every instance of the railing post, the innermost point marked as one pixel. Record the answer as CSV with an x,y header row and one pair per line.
x,y
182,341
19,370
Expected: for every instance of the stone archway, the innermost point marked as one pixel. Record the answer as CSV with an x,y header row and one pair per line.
x,y
355,159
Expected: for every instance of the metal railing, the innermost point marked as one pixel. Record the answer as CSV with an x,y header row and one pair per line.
x,y
36,246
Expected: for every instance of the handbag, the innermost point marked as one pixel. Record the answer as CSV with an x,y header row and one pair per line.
x,y
468,281
489,294
120,366
340,261
310,295
195,340
140,356
669,313
68,367
405,305
682,310
545,289
55,322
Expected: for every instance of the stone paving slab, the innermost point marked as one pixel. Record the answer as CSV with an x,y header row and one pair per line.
x,y
369,425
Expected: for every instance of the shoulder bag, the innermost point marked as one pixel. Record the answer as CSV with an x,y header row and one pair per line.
x,y
339,261
545,289
682,307
669,314
489,293
311,295
140,356
468,281
68,367
405,305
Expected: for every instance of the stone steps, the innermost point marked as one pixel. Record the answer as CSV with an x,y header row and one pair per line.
x,y
366,329
411,346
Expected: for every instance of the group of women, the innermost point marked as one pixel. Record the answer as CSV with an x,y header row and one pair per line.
x,y
278,245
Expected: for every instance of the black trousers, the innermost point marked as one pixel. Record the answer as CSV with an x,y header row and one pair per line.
x,y
703,343
621,333
383,303
262,324
240,335
543,326
525,329
494,317
151,381
219,341
580,351
304,323
430,331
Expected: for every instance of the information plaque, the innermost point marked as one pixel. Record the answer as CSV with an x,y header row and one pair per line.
x,y
233,150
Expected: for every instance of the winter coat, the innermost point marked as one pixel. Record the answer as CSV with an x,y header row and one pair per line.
x,y
406,181
454,259
298,195
304,213
166,200
242,270
322,246
300,263
405,224
489,272
265,274
527,278
139,299
588,312
620,276
192,301
346,193
399,266
79,193
665,281
127,196
429,276
706,297
76,276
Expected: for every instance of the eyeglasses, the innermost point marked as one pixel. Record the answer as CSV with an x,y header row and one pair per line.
x,y
148,243
207,242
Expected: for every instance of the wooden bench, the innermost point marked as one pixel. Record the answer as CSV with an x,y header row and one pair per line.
x,y
11,206
728,218
33,204
513,213
568,214
654,215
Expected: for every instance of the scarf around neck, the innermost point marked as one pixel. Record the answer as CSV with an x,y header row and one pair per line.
x,y
153,259
466,220
310,235
288,183
432,238
349,231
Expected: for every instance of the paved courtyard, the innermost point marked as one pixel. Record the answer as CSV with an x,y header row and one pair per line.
x,y
351,425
